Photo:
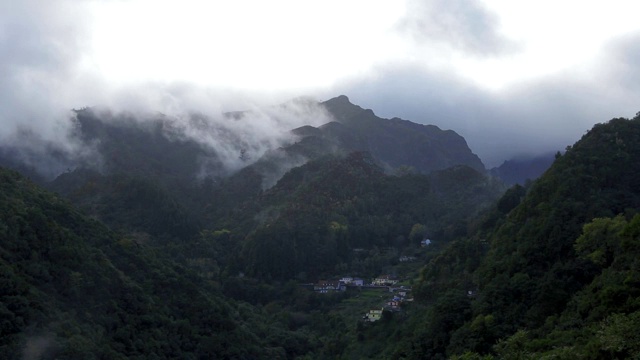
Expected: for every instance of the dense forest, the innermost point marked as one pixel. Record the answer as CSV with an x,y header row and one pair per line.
x,y
554,276
140,258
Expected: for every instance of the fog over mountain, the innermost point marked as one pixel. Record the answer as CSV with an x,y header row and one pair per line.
x,y
485,70
193,178
531,120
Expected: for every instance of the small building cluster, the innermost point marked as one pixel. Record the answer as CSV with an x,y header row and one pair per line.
x,y
401,296
350,281
386,283
385,280
329,286
373,315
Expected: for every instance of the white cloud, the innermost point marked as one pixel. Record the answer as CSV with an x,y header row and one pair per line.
x,y
461,25
552,38
453,60
280,44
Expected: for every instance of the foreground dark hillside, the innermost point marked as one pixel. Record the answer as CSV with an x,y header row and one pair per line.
x,y
73,289
211,268
556,275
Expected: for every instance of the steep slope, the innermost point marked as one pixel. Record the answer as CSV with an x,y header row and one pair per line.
x,y
559,278
127,202
393,142
317,214
73,289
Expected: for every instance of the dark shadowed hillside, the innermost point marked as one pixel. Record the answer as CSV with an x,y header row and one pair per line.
x,y
77,290
214,260
318,213
549,273
154,181
162,277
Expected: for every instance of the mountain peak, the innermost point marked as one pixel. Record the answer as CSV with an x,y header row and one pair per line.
x,y
342,108
394,142
340,99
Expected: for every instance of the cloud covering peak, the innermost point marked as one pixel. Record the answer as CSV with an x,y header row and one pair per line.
x,y
511,78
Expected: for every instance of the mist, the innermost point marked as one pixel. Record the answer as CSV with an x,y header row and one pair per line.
x,y
49,66
242,138
46,74
45,77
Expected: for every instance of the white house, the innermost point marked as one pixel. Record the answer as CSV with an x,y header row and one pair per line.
x,y
327,286
384,280
373,315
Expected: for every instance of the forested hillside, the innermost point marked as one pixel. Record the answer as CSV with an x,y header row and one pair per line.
x,y
169,190
150,258
145,259
318,213
74,289
556,275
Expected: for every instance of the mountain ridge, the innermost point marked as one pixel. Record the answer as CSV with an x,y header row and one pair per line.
x,y
199,146
395,142
210,267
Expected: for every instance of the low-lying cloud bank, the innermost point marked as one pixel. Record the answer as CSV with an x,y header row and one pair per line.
x,y
46,72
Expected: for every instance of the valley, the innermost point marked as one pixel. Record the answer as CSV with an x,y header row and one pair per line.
x,y
362,237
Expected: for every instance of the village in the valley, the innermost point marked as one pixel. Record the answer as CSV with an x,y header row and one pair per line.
x,y
392,293
396,295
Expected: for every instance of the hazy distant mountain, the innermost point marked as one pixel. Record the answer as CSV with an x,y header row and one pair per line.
x,y
517,171
178,150
393,142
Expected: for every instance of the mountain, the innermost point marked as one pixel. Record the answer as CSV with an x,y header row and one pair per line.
x,y
550,271
168,243
175,151
153,147
394,142
519,170
154,176
147,187
74,289
142,255
146,259
314,217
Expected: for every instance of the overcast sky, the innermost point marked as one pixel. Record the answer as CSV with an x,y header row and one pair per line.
x,y
512,77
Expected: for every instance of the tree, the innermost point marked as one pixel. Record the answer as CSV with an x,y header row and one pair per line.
x,y
418,232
